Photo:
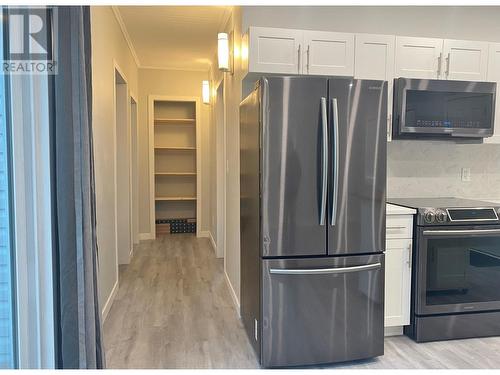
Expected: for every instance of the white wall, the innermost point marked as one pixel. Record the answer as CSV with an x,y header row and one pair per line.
x,y
232,99
171,83
108,45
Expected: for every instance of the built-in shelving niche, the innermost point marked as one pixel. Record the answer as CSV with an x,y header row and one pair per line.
x,y
175,163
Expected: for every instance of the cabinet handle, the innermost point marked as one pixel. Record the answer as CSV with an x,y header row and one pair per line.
x,y
440,62
298,60
409,255
448,65
308,46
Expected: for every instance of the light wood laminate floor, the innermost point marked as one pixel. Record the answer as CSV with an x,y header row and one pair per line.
x,y
173,310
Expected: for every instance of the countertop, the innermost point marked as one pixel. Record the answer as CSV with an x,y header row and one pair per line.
x,y
392,209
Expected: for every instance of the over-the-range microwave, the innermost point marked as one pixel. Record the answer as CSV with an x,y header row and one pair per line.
x,y
440,109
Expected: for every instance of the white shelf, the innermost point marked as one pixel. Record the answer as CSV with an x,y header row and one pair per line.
x,y
176,148
175,173
175,121
175,199
175,180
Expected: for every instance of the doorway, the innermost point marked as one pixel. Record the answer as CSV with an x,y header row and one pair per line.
x,y
123,170
134,130
220,147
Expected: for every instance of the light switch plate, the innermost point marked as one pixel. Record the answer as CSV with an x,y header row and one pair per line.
x,y
465,174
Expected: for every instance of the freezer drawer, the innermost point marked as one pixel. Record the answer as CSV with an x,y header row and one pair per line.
x,y
322,310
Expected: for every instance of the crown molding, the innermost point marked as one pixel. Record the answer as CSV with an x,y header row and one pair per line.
x,y
126,35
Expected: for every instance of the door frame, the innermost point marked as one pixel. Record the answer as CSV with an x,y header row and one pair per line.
x,y
117,69
134,159
220,157
151,160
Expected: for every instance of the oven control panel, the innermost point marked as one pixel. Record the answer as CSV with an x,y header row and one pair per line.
x,y
456,216
435,216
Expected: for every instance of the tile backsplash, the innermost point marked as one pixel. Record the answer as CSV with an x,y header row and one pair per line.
x,y
433,169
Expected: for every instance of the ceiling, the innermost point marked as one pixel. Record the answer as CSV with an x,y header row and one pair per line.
x,y
173,37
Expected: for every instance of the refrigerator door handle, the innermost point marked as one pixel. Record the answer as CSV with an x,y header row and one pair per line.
x,y
324,187
321,271
335,156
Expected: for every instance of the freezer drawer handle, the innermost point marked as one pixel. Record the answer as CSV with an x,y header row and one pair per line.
x,y
321,271
465,231
335,188
324,188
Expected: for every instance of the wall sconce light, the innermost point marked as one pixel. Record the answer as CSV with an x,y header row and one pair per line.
x,y
205,92
224,52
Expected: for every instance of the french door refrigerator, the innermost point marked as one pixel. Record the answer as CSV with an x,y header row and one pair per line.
x,y
312,183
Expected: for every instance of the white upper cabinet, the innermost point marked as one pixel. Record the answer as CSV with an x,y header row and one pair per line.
x,y
465,60
375,60
273,50
328,53
418,57
368,56
290,51
374,56
494,76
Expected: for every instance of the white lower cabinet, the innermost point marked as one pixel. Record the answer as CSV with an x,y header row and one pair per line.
x,y
397,282
398,263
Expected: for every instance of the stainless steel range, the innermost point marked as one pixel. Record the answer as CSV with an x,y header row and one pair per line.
x,y
456,272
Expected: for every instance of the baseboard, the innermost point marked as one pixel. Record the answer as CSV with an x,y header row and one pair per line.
x,y
393,331
109,302
203,233
146,236
233,294
212,241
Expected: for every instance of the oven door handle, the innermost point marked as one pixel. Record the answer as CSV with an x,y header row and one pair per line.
x,y
459,232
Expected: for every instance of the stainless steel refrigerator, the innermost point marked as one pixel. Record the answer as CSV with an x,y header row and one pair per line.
x,y
313,188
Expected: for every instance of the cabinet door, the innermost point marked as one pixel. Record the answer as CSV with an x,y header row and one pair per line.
x,y
465,60
494,76
273,50
328,53
418,57
374,59
397,282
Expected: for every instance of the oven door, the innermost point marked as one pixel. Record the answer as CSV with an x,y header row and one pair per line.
x,y
458,269
440,108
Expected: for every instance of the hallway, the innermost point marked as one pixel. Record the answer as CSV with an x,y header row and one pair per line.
x,y
173,310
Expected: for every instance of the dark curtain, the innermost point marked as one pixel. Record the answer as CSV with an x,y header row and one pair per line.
x,y
78,319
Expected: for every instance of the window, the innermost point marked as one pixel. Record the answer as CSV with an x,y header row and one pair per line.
x,y
7,321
